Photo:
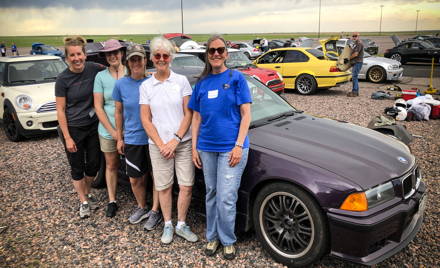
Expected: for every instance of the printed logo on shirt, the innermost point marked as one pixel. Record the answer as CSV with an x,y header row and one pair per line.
x,y
212,94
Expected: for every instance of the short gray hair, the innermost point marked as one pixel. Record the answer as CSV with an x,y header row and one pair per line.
x,y
161,42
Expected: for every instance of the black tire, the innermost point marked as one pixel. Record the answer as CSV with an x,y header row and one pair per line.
x,y
99,181
305,84
11,125
376,74
290,225
398,57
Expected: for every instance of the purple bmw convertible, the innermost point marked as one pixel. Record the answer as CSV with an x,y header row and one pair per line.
x,y
315,186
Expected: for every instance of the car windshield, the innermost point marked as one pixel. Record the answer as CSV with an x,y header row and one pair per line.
x,y
47,48
237,59
186,61
31,72
266,105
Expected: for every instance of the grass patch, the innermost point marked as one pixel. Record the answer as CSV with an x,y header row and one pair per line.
x,y
57,40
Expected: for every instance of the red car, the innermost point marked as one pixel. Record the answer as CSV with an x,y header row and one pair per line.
x,y
177,38
237,60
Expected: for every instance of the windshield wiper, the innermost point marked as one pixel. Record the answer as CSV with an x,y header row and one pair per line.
x,y
23,81
267,120
50,78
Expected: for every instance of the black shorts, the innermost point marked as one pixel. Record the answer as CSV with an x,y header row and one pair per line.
x,y
86,160
137,160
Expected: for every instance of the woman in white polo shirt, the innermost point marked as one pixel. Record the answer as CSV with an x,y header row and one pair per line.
x,y
166,119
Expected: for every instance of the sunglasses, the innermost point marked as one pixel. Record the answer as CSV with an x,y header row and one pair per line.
x,y
220,50
164,56
355,35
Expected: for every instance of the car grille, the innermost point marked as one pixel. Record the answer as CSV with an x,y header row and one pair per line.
x,y
47,107
50,124
273,83
410,182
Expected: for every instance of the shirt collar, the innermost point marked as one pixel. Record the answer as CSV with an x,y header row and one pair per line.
x,y
156,82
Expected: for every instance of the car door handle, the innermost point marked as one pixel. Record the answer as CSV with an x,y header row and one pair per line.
x,y
277,66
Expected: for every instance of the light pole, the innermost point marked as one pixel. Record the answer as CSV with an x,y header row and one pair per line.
x,y
417,18
380,25
181,12
319,20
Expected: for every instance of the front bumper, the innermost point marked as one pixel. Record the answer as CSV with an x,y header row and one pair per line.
x,y
394,75
370,240
38,122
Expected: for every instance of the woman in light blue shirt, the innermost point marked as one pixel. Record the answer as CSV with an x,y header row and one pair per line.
x,y
105,110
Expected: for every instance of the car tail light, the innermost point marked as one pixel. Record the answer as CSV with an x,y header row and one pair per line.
x,y
255,50
334,69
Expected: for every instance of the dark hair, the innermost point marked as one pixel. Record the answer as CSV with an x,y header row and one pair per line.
x,y
73,41
208,67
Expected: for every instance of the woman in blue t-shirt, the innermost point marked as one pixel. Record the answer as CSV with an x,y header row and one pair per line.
x,y
105,110
221,104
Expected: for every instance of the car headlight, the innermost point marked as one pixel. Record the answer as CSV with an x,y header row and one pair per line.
x,y
393,67
281,77
418,177
24,102
366,200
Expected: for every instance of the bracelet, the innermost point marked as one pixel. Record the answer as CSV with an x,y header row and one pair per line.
x,y
239,144
179,139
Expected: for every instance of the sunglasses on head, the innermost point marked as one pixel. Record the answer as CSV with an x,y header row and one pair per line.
x,y
164,56
220,50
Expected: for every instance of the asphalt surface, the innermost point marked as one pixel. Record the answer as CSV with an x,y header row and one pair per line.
x,y
420,70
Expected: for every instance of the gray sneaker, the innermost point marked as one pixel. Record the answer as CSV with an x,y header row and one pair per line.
x,y
93,202
167,235
155,217
84,211
138,215
186,233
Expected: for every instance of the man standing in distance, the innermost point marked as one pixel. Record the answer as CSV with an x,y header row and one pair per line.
x,y
356,60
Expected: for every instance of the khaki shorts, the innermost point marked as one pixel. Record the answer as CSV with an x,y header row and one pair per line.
x,y
163,169
107,145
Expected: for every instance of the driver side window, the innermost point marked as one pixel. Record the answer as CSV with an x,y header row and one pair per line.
x,y
272,57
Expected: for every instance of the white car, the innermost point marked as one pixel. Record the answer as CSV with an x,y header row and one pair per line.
x,y
27,94
248,50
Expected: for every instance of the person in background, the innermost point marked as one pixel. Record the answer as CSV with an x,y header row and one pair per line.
x,y
166,118
3,49
78,124
131,138
356,60
105,110
265,45
221,104
14,49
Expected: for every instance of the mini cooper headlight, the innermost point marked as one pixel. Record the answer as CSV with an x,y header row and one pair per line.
x,y
280,76
380,194
24,102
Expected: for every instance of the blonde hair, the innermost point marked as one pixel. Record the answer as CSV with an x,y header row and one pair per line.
x,y
73,41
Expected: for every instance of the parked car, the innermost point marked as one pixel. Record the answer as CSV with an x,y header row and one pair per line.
x,y
435,41
248,50
42,49
412,50
303,69
177,38
375,69
237,60
27,95
275,44
370,46
314,186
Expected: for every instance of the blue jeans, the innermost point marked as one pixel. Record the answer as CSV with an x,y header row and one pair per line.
x,y
222,183
354,73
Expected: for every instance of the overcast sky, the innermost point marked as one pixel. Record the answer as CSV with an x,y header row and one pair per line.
x,y
66,17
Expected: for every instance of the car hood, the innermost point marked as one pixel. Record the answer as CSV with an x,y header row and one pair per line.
x,y
40,93
262,74
379,60
363,156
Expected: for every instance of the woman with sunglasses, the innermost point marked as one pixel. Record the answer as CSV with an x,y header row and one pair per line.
x,y
221,104
105,110
131,138
166,118
78,123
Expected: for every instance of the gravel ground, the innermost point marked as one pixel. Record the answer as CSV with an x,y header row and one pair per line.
x,y
40,207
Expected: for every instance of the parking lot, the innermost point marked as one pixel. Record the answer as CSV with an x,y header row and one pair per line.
x,y
39,205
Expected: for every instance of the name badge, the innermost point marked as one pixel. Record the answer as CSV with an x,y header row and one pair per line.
x,y
212,94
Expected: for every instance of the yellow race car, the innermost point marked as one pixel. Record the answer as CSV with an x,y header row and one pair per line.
x,y
303,69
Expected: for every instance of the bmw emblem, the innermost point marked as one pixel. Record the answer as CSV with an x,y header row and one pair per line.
x,y
402,160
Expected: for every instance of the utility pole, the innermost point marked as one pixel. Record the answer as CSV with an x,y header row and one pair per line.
x,y
319,20
417,18
181,13
380,25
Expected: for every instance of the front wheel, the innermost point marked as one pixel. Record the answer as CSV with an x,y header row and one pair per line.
x,y
305,84
376,74
11,125
397,57
290,225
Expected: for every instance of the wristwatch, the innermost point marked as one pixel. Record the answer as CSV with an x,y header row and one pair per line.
x,y
239,144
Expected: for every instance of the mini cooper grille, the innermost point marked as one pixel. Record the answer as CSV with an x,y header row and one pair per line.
x,y
47,107
410,183
273,83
